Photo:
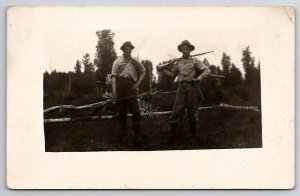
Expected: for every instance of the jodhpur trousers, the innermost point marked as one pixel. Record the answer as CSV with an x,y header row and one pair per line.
x,y
186,98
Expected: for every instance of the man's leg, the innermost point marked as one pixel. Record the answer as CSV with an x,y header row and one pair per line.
x,y
136,116
192,109
123,117
122,105
178,108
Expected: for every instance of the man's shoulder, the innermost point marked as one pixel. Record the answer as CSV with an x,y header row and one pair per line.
x,y
119,59
135,59
136,62
195,59
190,59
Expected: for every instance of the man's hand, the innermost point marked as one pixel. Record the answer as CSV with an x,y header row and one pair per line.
x,y
194,80
159,68
135,85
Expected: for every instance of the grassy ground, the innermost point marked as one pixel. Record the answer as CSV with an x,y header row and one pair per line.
x,y
217,129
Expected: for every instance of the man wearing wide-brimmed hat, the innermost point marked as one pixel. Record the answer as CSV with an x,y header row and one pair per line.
x,y
188,92
127,75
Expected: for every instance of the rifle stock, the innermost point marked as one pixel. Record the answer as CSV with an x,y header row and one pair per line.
x,y
164,65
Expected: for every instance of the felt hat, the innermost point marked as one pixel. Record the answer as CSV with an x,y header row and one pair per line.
x,y
186,43
127,44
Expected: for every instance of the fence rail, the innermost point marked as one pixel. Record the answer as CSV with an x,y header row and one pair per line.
x,y
149,113
98,104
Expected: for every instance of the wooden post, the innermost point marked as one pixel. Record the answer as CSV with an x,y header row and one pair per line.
x,y
150,78
69,90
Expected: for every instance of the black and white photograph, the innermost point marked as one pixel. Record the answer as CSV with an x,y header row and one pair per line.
x,y
150,97
133,88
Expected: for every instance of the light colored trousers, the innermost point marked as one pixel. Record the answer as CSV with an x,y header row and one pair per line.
x,y
187,97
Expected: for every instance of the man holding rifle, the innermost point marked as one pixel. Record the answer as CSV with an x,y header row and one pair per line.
x,y
127,75
188,92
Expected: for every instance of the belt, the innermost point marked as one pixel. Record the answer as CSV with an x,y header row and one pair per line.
x,y
123,78
186,82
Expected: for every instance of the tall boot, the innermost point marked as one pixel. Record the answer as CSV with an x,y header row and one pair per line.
x,y
137,139
192,127
173,127
124,131
136,125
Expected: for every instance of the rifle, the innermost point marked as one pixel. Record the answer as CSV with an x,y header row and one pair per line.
x,y
164,65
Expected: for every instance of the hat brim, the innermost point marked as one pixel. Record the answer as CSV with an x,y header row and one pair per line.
x,y
122,47
192,48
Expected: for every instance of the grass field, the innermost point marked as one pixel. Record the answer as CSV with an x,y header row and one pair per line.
x,y
217,129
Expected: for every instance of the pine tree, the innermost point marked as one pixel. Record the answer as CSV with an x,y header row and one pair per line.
x,y
88,66
105,51
235,75
225,62
248,63
252,76
77,67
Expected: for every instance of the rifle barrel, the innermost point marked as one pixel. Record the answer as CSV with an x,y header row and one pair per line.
x,y
201,53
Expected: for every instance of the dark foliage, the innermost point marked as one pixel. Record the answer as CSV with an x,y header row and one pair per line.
x,y
105,52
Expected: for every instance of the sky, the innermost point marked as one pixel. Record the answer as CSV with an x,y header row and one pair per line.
x,y
69,33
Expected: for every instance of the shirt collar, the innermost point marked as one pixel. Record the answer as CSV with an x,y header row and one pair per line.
x,y
189,57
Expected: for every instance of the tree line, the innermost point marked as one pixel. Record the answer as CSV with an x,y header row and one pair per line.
x,y
89,78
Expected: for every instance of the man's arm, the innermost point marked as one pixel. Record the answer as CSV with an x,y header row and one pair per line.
x,y
142,72
114,91
204,74
137,83
173,72
114,75
206,71
169,73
